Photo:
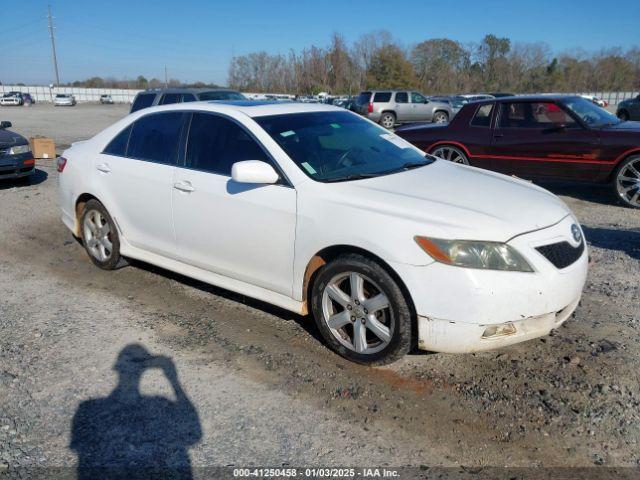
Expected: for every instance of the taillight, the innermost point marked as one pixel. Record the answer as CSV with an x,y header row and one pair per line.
x,y
29,163
370,107
61,162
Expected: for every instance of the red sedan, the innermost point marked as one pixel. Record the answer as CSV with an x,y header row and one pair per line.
x,y
541,137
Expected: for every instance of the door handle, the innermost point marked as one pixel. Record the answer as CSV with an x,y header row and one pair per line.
x,y
498,135
184,186
104,168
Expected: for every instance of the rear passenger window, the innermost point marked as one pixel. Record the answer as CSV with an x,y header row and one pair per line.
x,y
216,143
382,97
188,97
482,118
402,97
169,98
118,146
143,100
155,137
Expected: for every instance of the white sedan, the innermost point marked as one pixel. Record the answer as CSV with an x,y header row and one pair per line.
x,y
64,100
315,209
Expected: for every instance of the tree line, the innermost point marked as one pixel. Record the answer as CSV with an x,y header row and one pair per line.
x,y
439,65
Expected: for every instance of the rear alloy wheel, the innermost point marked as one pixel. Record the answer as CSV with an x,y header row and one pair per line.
x,y
440,117
100,236
388,120
452,154
361,311
627,181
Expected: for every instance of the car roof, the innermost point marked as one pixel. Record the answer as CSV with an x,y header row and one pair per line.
x,y
251,108
540,97
187,90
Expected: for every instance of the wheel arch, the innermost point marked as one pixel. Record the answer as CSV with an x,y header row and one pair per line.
x,y
451,143
621,158
81,201
328,254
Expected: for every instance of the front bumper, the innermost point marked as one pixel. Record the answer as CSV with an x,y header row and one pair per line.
x,y
16,166
455,306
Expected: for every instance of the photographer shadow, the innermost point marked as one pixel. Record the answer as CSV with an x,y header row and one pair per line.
x,y
128,435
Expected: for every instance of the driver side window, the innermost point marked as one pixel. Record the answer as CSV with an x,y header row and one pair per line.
x,y
533,115
418,98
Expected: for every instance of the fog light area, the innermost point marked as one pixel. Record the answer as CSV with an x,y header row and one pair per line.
x,y
499,330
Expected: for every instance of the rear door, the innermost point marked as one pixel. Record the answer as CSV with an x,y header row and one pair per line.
x,y
542,140
134,174
403,107
420,108
241,231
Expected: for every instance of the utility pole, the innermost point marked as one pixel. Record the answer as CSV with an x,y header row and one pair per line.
x,y
166,78
53,48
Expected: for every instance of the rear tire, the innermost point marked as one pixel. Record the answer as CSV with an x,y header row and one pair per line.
x,y
388,120
361,311
100,236
626,182
450,153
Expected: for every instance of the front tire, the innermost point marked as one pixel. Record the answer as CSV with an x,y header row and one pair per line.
x,y
388,120
626,182
440,117
361,311
100,236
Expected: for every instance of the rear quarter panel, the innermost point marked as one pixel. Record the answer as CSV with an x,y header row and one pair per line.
x,y
459,133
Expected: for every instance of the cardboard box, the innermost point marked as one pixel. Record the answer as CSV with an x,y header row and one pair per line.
x,y
43,147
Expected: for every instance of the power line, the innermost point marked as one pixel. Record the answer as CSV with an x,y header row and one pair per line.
x,y
53,48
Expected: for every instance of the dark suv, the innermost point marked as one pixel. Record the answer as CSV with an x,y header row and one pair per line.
x,y
165,96
629,109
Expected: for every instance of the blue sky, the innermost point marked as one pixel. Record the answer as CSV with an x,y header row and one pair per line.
x,y
197,38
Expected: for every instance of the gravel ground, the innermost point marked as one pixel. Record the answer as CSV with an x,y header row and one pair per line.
x,y
232,381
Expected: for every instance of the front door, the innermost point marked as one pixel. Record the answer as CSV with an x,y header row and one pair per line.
x,y
420,108
241,231
542,140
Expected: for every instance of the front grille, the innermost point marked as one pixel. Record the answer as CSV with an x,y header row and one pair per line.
x,y
562,254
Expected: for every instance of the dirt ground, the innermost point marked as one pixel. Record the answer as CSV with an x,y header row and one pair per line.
x,y
256,386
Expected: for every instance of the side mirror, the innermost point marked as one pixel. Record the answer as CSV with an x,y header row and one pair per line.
x,y
5,124
254,171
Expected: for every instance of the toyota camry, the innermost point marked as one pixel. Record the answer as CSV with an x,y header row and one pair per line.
x,y
317,210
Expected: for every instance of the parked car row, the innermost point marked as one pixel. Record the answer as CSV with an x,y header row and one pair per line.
x,y
16,99
388,248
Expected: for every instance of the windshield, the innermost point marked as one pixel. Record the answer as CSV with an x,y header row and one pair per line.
x,y
590,113
339,146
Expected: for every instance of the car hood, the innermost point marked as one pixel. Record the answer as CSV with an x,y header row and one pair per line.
x,y
8,139
457,202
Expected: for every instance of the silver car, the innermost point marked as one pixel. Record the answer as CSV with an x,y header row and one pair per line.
x,y
389,107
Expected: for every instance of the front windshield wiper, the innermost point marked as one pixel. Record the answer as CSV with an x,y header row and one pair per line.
x,y
353,176
360,176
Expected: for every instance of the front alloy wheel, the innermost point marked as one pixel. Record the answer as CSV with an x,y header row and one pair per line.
x,y
627,181
440,117
360,311
452,154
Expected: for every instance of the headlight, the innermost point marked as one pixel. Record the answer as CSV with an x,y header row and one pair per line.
x,y
474,254
18,149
